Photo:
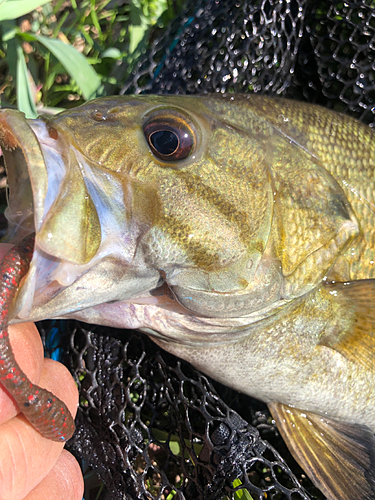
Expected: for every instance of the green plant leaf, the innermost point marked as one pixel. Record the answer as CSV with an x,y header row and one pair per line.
x,y
11,57
75,64
111,52
25,99
241,494
11,9
138,25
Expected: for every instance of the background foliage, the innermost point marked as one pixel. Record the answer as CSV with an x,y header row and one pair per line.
x,y
57,54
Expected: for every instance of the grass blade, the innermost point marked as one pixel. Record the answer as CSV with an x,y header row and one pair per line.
x,y
11,9
25,99
75,64
139,25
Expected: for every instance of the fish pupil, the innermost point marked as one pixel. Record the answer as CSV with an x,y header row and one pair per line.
x,y
165,142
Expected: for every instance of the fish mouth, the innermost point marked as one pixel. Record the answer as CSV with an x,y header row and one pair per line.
x,y
36,163
85,223
29,189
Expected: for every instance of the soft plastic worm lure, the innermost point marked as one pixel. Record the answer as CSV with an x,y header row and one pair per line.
x,y
46,412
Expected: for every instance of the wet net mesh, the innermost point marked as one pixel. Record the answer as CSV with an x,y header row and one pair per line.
x,y
148,424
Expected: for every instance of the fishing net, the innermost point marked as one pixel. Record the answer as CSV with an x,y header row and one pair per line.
x,y
148,424
319,51
153,427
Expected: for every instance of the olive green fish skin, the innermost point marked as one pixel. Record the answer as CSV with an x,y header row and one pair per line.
x,y
227,257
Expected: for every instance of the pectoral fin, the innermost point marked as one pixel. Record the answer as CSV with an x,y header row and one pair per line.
x,y
356,340
338,457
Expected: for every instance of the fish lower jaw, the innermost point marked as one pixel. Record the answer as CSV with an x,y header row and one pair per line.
x,y
162,317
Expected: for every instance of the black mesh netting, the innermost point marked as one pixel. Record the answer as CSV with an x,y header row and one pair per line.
x,y
150,425
153,427
320,51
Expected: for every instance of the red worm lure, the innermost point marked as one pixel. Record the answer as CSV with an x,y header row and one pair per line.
x,y
45,412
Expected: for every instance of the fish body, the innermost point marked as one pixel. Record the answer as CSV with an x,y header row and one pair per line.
x,y
237,231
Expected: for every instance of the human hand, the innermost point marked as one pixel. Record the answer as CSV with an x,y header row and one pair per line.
x,y
31,466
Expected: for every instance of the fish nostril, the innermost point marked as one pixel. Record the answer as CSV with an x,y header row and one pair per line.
x,y
98,116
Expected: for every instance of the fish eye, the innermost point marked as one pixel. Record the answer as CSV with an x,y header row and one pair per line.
x,y
170,135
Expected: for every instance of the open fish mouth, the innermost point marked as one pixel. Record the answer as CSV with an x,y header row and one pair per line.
x,y
85,245
27,190
35,170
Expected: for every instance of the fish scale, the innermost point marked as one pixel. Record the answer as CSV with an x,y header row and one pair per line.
x,y
44,410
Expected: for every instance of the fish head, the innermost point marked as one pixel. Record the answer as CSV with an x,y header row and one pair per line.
x,y
129,194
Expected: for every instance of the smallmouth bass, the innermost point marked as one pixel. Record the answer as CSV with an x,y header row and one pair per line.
x,y
236,231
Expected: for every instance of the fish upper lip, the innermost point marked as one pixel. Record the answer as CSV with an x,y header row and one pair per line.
x,y
20,148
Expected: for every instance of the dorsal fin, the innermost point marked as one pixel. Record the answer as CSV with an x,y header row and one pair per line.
x,y
338,457
357,341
